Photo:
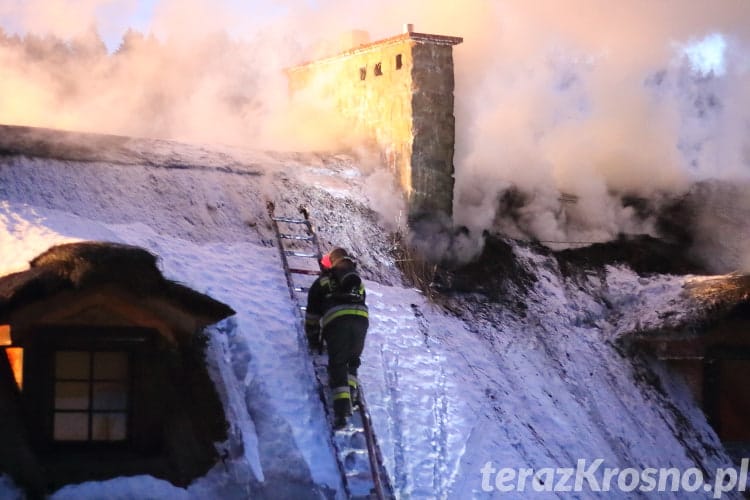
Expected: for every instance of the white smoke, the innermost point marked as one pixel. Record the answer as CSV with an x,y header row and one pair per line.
x,y
586,99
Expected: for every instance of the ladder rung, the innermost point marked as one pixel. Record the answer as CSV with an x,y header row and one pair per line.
x,y
311,272
290,220
295,237
295,253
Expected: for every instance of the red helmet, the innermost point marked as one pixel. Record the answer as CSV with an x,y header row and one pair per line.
x,y
331,258
325,262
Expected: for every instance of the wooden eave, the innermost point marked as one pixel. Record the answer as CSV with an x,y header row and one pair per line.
x,y
105,306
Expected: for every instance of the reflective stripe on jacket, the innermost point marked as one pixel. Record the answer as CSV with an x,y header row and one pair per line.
x,y
324,304
343,310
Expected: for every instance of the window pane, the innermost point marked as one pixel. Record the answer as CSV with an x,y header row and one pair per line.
x,y
71,395
72,365
109,427
110,396
71,426
111,365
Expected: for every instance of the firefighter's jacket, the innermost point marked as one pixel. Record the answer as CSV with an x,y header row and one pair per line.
x,y
328,300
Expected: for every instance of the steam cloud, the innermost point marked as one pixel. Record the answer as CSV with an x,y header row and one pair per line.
x,y
591,101
597,100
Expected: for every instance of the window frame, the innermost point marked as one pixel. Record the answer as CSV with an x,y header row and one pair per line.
x,y
39,378
90,411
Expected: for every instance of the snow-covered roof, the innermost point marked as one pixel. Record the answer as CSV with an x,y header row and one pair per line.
x,y
703,302
448,393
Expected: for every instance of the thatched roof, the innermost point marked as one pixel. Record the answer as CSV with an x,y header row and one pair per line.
x,y
76,266
642,253
705,302
721,297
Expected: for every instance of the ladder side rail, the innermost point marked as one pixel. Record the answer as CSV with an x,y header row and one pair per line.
x,y
373,451
312,232
284,261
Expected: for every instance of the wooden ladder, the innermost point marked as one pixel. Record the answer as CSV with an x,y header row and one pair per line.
x,y
300,254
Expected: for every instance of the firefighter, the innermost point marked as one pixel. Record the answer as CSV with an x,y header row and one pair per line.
x,y
337,314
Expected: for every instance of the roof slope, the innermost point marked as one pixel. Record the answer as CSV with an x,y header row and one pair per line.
x,y
448,392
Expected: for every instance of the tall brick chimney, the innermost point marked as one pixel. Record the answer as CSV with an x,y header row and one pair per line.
x,y
399,92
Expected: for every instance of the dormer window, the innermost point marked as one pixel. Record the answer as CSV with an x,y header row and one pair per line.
x,y
102,372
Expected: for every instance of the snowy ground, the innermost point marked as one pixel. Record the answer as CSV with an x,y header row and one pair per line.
x,y
543,388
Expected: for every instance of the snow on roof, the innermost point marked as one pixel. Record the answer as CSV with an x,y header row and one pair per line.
x,y
448,393
703,302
